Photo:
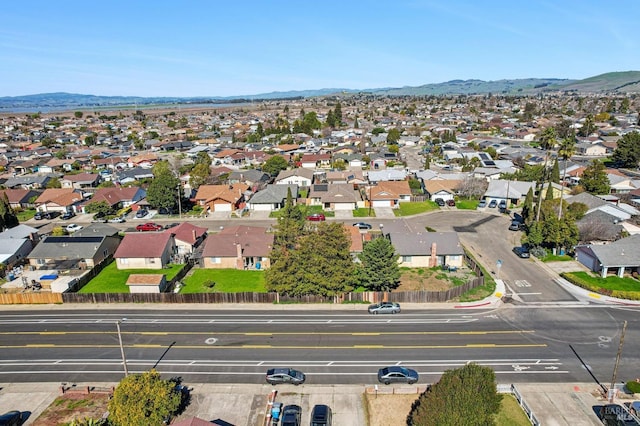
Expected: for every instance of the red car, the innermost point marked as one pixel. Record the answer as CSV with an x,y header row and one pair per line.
x,y
150,226
316,217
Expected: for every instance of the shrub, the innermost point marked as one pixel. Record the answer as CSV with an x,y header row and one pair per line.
x,y
633,386
538,252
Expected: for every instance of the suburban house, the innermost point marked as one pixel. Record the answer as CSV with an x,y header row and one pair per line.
x,y
217,198
117,198
445,189
58,199
386,175
620,256
20,198
353,177
301,177
591,149
187,237
147,283
252,177
81,180
389,193
428,249
28,181
272,198
16,243
556,190
334,196
145,160
517,190
238,247
315,161
145,250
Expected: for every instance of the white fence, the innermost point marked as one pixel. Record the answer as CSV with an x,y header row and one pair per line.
x,y
511,390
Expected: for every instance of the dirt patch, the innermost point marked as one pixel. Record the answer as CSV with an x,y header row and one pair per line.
x,y
432,279
385,410
70,406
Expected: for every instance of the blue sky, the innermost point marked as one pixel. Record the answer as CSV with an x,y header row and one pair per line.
x,y
217,48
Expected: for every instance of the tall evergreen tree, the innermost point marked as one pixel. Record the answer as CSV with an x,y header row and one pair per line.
x,y
380,270
594,179
555,172
527,207
566,150
627,152
8,217
338,114
549,193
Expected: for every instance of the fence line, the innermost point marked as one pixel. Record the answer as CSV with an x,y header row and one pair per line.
x,y
512,390
30,298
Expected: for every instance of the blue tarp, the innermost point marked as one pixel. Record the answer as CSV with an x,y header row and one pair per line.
x,y
49,277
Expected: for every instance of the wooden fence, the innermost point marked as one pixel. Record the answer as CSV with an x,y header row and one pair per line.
x,y
30,298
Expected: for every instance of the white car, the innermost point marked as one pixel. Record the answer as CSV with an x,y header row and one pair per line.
x,y
72,227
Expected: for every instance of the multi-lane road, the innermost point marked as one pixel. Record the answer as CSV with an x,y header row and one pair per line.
x,y
522,344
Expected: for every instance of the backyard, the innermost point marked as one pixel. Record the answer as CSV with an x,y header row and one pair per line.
x,y
223,281
114,280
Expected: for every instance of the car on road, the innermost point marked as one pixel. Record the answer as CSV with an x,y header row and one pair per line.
x,y
316,217
384,308
11,418
397,374
362,225
439,201
142,213
46,215
482,204
67,215
515,225
117,219
451,203
72,227
149,226
522,252
321,415
277,376
291,415
493,204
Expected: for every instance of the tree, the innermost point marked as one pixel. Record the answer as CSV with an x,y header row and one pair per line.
x,y
275,165
143,399
203,158
627,153
101,207
555,172
290,225
472,188
594,179
379,270
199,175
464,396
163,190
588,126
338,114
527,207
547,142
77,114
565,151
54,183
8,218
549,194
393,136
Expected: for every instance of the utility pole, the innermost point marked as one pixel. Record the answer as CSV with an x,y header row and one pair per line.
x,y
615,368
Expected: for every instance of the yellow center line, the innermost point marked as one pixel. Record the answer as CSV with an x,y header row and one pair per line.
x,y
258,333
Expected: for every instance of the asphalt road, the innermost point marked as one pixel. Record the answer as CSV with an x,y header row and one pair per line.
x,y
522,344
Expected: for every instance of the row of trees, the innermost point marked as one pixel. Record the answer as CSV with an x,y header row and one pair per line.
x,y
316,260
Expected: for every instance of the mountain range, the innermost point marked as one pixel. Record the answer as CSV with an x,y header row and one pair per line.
x,y
613,82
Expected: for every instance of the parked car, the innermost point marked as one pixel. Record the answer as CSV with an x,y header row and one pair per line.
x,y
100,217
384,308
316,217
285,375
47,215
11,418
72,227
149,226
321,415
439,201
38,216
515,225
117,219
482,204
451,203
616,415
141,213
67,215
522,252
291,415
362,225
493,204
397,374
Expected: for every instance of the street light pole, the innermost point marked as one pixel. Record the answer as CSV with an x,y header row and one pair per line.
x,y
179,201
124,360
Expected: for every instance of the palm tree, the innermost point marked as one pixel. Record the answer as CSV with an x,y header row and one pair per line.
x,y
548,139
566,149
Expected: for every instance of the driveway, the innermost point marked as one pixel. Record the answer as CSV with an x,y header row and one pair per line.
x,y
343,214
384,213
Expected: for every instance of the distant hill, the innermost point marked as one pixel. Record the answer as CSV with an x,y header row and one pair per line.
x,y
616,82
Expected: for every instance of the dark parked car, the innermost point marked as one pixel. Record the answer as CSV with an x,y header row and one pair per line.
x,y
100,217
493,204
285,375
616,415
11,418
362,225
451,203
439,201
397,374
321,415
149,226
291,415
482,204
384,308
38,216
67,215
316,217
46,215
521,252
515,225
141,213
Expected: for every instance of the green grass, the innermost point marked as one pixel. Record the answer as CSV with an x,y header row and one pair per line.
x,y
25,215
365,212
550,257
511,414
226,281
113,280
613,283
467,204
410,208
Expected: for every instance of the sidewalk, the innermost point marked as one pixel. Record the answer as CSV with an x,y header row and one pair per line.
x,y
244,404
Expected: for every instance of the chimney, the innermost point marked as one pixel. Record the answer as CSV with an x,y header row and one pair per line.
x,y
193,234
433,259
239,262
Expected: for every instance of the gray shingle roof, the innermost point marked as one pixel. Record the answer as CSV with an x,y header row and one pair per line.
x,y
407,244
624,252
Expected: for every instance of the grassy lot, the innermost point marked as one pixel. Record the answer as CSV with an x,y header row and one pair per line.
x,y
409,209
366,212
113,280
550,257
511,413
306,211
25,215
226,281
597,283
467,204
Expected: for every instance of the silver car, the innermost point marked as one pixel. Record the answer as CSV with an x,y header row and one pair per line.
x,y
384,308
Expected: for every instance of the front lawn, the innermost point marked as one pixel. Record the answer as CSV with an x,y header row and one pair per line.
x,y
226,281
624,288
467,204
411,208
114,280
550,257
365,212
25,215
